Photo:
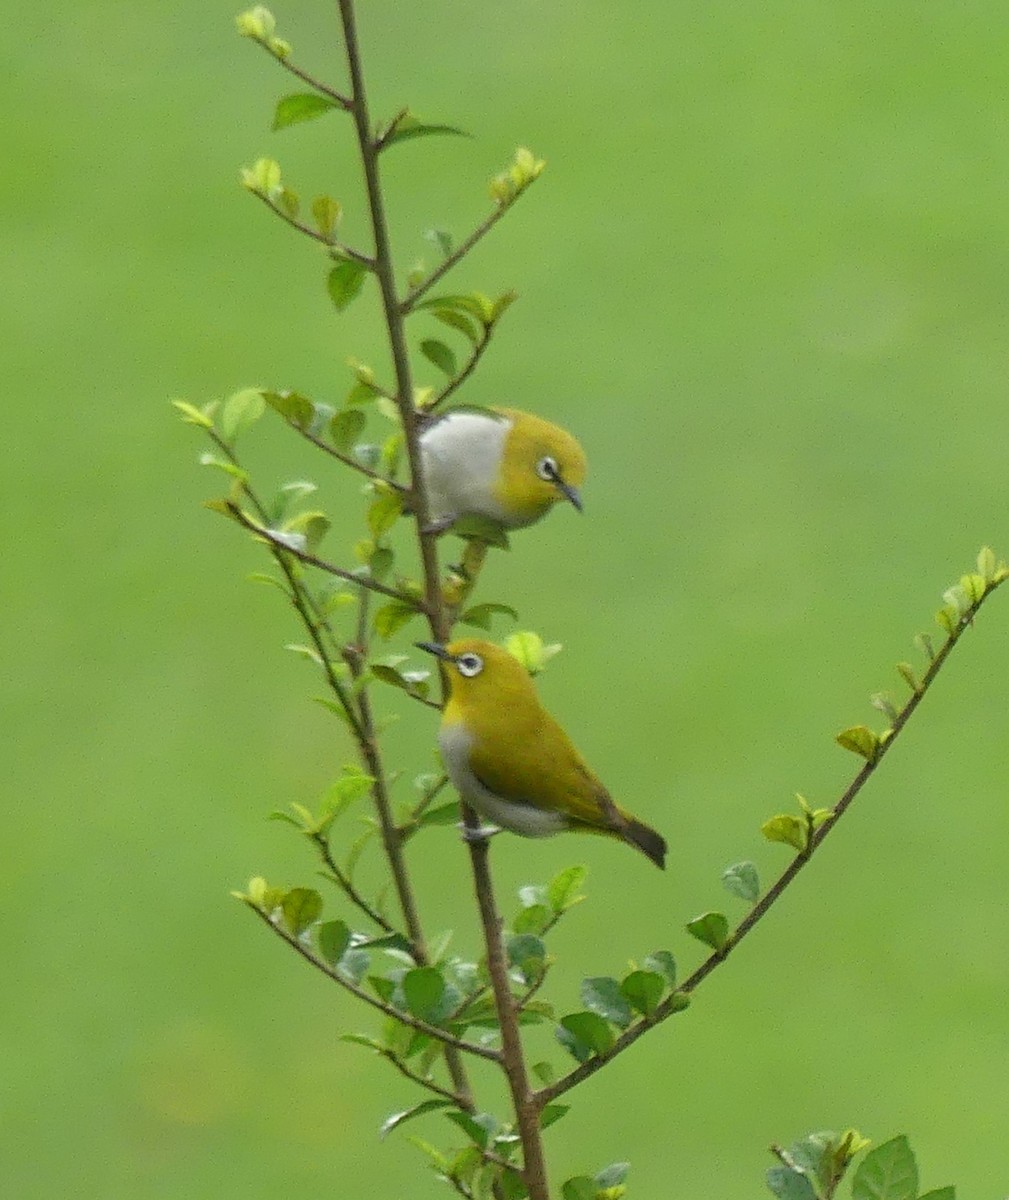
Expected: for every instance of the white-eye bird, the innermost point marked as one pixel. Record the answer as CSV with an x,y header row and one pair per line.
x,y
499,463
510,760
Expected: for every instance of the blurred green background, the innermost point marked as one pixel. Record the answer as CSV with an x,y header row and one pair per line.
x,y
765,280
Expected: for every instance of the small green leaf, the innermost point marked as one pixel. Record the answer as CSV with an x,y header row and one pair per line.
x,y
528,954
581,1187
438,353
459,321
787,1184
192,415
392,617
480,1128
477,528
860,740
602,995
530,650
344,282
346,428
742,880
643,990
887,1173
424,990
301,906
446,814
292,406
327,213
384,512
788,829
590,1031
712,928
407,127
300,106
909,677
394,1120
663,963
533,919
333,938
946,1193
552,1112
362,1039
987,564
240,411
479,616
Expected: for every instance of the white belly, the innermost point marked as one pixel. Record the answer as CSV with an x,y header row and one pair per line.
x,y
462,460
524,819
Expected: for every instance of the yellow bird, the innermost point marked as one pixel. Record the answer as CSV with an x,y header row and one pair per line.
x,y
511,761
509,466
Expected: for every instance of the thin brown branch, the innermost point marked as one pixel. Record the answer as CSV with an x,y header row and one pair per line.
x,y
347,459
460,252
424,1081
343,882
343,250
672,1004
455,383
279,543
404,1018
323,89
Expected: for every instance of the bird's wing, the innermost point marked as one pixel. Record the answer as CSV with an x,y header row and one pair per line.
x,y
540,767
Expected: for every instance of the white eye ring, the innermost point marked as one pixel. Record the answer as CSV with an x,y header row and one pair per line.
x,y
547,469
469,665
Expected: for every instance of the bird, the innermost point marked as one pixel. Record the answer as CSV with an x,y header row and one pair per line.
x,y
509,466
511,761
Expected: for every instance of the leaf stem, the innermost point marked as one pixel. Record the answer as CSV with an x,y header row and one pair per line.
x,y
324,89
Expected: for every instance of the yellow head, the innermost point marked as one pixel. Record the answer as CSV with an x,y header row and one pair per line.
x,y
541,464
483,679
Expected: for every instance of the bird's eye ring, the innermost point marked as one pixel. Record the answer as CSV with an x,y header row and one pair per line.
x,y
547,469
469,665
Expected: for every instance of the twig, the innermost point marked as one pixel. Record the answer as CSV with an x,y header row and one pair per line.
x,y
428,1083
457,382
346,459
344,884
277,541
671,1004
404,1018
339,100
410,299
315,235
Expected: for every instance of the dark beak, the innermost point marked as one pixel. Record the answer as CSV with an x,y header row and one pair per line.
x,y
435,649
569,492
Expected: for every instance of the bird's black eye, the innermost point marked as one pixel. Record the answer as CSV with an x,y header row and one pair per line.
x,y
547,469
469,665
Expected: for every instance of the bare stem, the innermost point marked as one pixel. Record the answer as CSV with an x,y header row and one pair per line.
x,y
512,1057
324,89
672,1003
342,250
454,384
343,882
415,294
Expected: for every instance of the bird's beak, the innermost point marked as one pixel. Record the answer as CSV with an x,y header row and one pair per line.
x,y
434,648
569,493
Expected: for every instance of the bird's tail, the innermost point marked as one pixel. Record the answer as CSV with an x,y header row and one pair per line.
x,y
642,837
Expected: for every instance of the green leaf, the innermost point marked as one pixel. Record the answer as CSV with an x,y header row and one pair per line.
x,y
531,651
394,1120
384,512
813,1155
301,906
424,990
362,1039
787,1184
742,880
192,415
859,740
390,618
887,1173
545,1073
344,282
552,1113
589,1031
407,127
533,919
663,963
458,321
240,411
229,468
602,995
480,1128
438,353
327,213
479,616
946,1193
333,938
581,1187
712,928
300,106
445,814
528,954
346,428
788,829
292,406
643,990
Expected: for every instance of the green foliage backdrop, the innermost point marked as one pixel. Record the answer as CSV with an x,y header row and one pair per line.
x,y
764,280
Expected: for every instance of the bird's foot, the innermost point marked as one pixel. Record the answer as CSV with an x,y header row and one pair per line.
x,y
439,525
482,833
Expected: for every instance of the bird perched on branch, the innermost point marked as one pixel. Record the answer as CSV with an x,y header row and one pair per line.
x,y
509,466
510,760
